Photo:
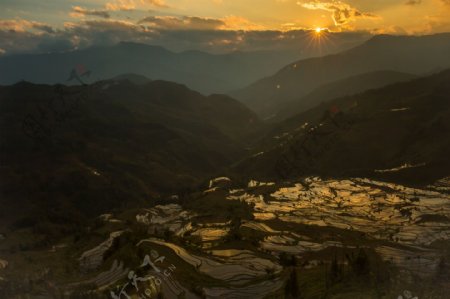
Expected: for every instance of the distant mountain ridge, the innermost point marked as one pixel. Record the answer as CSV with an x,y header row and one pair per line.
x,y
207,73
409,54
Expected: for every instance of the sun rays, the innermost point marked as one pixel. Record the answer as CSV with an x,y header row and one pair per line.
x,y
319,38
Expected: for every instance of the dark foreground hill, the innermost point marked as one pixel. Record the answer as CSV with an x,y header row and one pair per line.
x,y
72,151
397,133
409,54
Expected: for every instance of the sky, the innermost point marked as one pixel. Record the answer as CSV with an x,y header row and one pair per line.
x,y
211,25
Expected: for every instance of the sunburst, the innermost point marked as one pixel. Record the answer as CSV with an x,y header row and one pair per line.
x,y
318,39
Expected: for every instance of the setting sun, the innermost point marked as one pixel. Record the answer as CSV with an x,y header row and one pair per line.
x,y
319,30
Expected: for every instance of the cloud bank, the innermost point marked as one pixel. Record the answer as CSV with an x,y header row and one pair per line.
x,y
176,33
342,13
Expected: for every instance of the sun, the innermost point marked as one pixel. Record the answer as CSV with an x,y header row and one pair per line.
x,y
319,38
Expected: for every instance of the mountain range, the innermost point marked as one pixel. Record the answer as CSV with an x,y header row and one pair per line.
x,y
336,187
416,55
207,73
340,88
395,133
84,149
91,146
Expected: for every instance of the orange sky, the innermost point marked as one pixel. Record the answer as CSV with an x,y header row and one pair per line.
x,y
411,16
22,22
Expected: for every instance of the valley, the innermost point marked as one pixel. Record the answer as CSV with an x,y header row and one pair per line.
x,y
159,174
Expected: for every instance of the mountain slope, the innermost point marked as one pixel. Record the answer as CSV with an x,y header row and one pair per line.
x,y
201,71
398,133
341,88
409,54
133,78
84,149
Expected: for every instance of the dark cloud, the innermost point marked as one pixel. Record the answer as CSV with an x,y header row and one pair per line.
x,y
43,27
50,44
182,23
105,32
17,41
413,2
126,5
78,11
